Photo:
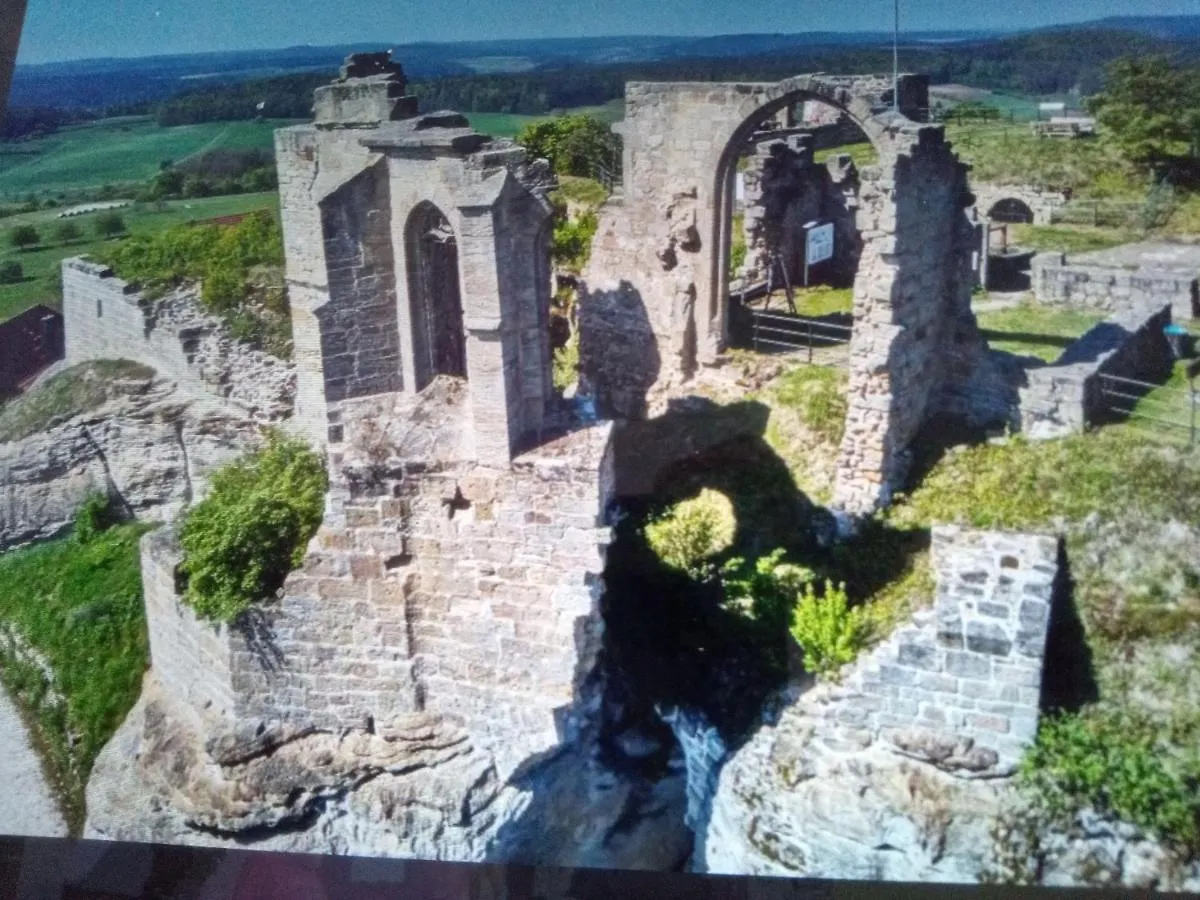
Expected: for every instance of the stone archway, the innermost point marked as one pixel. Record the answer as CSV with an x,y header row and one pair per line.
x,y
1011,210
915,351
436,313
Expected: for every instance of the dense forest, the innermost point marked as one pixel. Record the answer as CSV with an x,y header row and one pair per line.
x,y
1037,64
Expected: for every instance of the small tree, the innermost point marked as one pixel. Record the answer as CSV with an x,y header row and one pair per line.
x,y
24,236
11,272
828,630
1150,110
574,145
68,232
109,224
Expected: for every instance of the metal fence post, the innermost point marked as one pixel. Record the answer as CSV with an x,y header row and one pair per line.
x,y
809,326
1192,428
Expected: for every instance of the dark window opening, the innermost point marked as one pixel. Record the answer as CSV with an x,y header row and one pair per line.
x,y
439,340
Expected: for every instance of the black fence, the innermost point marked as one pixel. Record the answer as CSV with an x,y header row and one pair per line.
x,y
784,332
1167,410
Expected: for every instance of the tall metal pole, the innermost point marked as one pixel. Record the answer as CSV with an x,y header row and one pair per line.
x,y
896,57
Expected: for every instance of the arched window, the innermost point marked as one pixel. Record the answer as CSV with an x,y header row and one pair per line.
x,y
438,340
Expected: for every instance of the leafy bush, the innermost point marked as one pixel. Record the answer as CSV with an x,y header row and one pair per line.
x,y
767,589
574,145
24,236
571,243
253,528
11,272
830,632
94,516
566,363
1116,765
691,533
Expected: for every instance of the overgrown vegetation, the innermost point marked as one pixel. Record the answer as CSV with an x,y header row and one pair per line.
x,y
238,267
566,363
253,528
829,631
571,242
76,390
1121,764
690,535
73,648
578,145
818,393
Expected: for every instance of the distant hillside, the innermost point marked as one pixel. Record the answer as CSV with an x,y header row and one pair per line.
x,y
105,84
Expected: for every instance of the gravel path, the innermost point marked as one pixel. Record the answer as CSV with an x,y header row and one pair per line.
x,y
26,806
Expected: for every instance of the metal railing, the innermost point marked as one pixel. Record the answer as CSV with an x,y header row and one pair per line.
x,y
789,332
1172,409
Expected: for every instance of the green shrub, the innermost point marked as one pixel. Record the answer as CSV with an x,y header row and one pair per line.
x,y
1116,765
690,534
571,242
566,363
253,528
68,232
11,272
828,630
95,515
24,236
109,224
766,589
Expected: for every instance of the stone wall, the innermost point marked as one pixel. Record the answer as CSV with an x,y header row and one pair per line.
x,y
1042,202
434,585
1067,396
1111,289
107,318
895,772
655,284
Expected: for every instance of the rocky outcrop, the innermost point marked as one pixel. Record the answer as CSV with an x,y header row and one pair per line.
x,y
150,447
416,786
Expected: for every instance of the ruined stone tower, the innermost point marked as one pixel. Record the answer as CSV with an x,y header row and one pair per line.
x,y
445,616
415,248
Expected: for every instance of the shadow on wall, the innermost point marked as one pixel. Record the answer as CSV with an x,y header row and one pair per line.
x,y
619,357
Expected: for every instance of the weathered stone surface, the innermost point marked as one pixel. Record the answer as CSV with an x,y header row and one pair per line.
x,y
895,773
151,448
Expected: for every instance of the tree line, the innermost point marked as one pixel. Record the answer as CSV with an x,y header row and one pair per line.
x,y
1056,62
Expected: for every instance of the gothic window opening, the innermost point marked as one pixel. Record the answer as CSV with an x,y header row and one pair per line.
x,y
439,339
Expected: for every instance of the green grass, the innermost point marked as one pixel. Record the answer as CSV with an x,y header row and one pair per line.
x,y
818,393
1034,330
73,391
41,264
1068,238
116,152
1170,402
80,607
863,154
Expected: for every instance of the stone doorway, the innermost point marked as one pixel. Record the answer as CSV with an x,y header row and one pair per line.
x,y
439,340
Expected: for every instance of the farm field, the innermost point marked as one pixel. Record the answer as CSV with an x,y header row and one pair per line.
x,y
40,264
508,124
116,151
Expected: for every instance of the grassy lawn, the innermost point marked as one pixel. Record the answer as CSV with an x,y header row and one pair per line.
x,y
1034,330
586,191
1068,238
80,607
40,264
116,152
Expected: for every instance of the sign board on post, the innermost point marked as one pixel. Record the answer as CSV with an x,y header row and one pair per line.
x,y
818,244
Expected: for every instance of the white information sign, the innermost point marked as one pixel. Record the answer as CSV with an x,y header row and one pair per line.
x,y
820,243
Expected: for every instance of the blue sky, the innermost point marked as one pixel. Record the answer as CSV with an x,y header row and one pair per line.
x,y
74,29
